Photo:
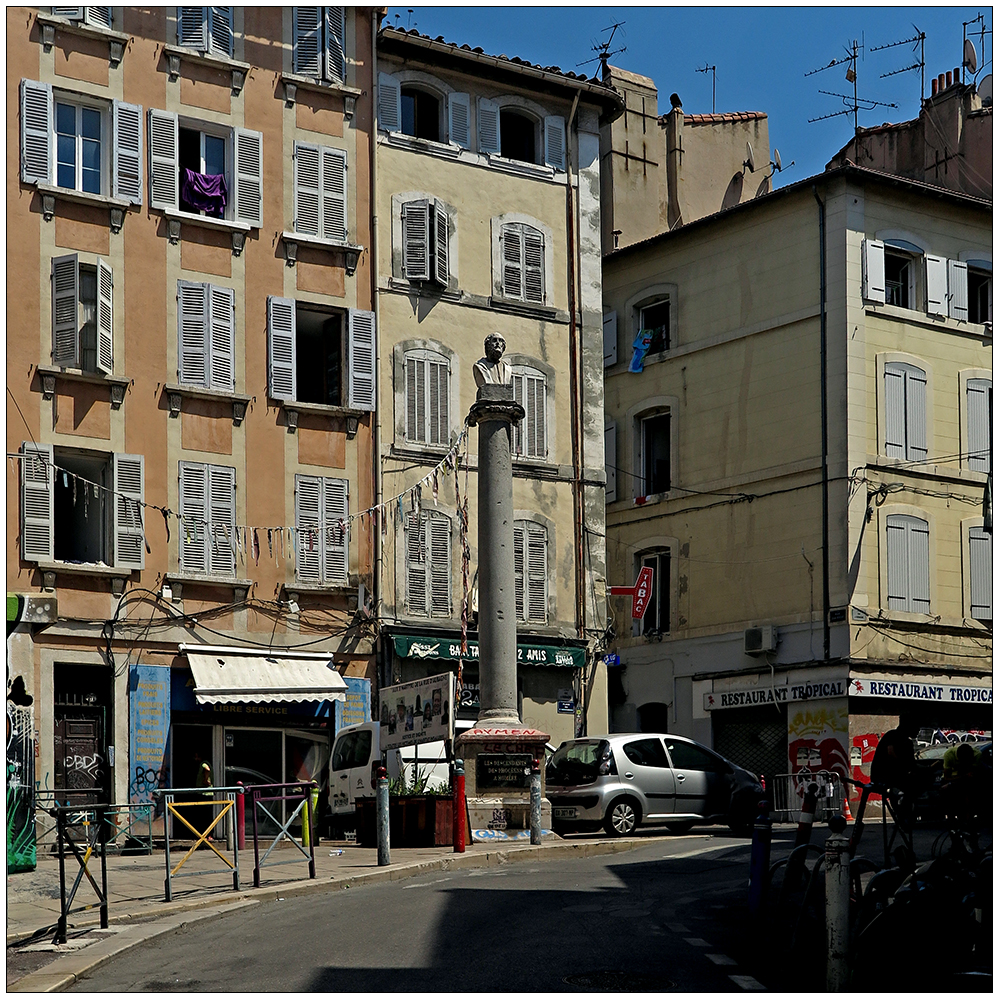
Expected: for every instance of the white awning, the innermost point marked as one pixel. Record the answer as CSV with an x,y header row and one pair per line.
x,y
228,678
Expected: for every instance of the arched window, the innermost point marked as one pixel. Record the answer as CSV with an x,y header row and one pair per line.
x,y
421,114
518,136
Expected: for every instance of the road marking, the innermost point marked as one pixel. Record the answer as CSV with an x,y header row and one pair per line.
x,y
748,983
697,942
427,884
722,959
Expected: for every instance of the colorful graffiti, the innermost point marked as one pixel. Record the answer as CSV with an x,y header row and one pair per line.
x,y
21,849
817,738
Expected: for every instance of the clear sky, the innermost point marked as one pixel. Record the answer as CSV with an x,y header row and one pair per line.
x,y
761,53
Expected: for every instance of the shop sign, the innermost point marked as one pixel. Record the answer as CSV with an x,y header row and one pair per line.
x,y
433,649
355,708
804,691
417,712
919,690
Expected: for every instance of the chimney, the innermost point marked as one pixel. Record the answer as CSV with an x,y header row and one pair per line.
x,y
935,87
950,79
957,74
940,82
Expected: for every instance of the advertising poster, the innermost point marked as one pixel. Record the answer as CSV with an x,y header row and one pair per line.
x,y
355,707
148,731
417,712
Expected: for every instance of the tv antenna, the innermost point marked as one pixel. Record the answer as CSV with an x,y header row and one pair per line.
x,y
714,78
918,41
855,103
970,56
603,49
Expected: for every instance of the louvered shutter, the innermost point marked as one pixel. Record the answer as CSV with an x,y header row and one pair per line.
x,y
512,249
105,319
980,572
102,17
416,428
416,240
555,141
336,47
306,42
128,473
936,285
459,120
440,246
919,565
335,531
221,520
438,397
534,266
610,339
192,319
66,311
533,426
610,462
537,573
873,261
281,335
915,413
361,346
416,564
308,503
192,28
334,194
220,30
908,543
193,517
36,132
519,435
894,410
898,564
519,587
127,156
957,290
389,103
489,126
249,176
439,539
222,343
163,159
37,503
307,188
979,427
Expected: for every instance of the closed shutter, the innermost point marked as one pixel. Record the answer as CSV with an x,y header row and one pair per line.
x,y
898,564
416,564
957,290
519,588
439,543
127,169
530,434
308,503
416,240
980,571
105,319
334,193
915,413
489,126
221,520
193,517
307,187
389,103
336,60
416,399
220,30
102,17
610,339
537,573
459,120
65,311
440,246
37,503
555,141
513,267
249,176
361,346
192,320
438,398
163,159
979,425
610,462
936,285
919,565
192,28
222,316
534,266
894,410
519,435
36,132
908,570
128,472
873,260
281,333
335,531
306,41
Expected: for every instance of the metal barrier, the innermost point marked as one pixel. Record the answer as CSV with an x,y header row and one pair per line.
x,y
789,789
125,826
300,792
222,802
63,816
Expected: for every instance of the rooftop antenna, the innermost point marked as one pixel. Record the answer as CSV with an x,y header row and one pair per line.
x,y
409,19
855,103
970,57
714,78
918,41
603,49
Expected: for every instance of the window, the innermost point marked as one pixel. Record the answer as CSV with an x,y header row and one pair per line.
x,y
207,29
530,436
654,319
646,753
517,136
100,17
421,114
686,756
899,274
979,295
82,312
202,158
318,43
908,557
905,411
321,192
980,566
79,145
530,559
655,442
407,109
656,620
426,241
81,507
207,519
428,398
514,134
322,529
980,424
206,336
523,252
428,564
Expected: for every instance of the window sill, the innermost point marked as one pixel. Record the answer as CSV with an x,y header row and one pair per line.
x,y
927,321
504,163
427,453
293,82
178,580
928,469
292,240
176,54
116,385
428,289
536,467
350,417
531,309
48,24
177,393
237,230
117,207
348,585
414,144
50,570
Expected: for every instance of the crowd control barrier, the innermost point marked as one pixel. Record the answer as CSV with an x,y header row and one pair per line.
x,y
301,792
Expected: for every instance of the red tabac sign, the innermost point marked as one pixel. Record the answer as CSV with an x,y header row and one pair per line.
x,y
640,593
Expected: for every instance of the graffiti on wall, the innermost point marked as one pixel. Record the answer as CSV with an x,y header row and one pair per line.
x,y
149,728
817,735
20,779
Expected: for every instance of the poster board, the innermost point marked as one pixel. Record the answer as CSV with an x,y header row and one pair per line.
x,y
417,712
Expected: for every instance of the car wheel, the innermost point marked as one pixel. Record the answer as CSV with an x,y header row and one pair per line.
x,y
679,828
622,817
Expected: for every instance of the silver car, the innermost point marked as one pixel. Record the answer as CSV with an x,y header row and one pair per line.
x,y
629,779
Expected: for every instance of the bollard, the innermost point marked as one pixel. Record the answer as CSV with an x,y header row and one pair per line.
x,y
382,817
309,814
759,859
837,907
796,861
535,803
458,808
240,819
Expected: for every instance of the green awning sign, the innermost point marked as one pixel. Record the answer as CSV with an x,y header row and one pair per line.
x,y
432,649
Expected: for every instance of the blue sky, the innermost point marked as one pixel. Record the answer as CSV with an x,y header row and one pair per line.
x,y
761,55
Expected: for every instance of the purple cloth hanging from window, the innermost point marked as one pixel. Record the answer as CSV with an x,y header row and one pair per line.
x,y
204,191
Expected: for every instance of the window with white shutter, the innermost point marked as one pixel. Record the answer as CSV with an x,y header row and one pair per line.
x,y
936,284
428,564
459,120
164,159
321,192
873,263
610,338
306,41
248,176
82,315
555,141
980,424
489,125
207,29
36,132
389,103
281,353
905,411
207,519
530,557
128,474
206,335
907,540
335,44
322,527
362,345
427,398
980,572
523,262
100,17
37,503
957,290
530,435
425,234
127,152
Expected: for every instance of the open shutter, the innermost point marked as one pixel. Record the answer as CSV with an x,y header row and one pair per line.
x,y
105,319
334,194
440,246
534,266
221,520
439,537
222,317
249,176
610,339
192,319
416,428
65,311
362,343
308,500
459,120
894,410
416,564
555,141
220,29
336,47
306,187
512,247
129,486
936,285
37,503
416,240
389,103
537,573
489,126
36,132
873,261
281,332
918,536
980,571
438,398
957,290
306,34
163,159
127,178
102,17
519,531
610,462
336,534
192,28
915,413
979,427
193,517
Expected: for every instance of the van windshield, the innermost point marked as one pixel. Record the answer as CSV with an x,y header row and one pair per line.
x,y
577,762
352,750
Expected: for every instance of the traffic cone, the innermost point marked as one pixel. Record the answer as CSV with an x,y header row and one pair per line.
x,y
846,808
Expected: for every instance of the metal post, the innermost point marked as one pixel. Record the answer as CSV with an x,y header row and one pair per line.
x,y
382,817
759,859
168,800
535,803
101,819
837,907
309,791
240,819
256,838
458,817
60,937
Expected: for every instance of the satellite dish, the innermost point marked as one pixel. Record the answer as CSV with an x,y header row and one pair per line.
x,y
985,90
750,159
777,159
970,57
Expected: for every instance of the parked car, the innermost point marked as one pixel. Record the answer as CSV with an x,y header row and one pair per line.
x,y
933,798
640,778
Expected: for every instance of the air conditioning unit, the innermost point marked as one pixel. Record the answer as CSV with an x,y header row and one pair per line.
x,y
760,640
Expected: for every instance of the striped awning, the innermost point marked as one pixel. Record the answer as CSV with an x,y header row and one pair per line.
x,y
229,678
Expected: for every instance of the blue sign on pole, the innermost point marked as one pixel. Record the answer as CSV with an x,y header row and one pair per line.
x,y
355,708
612,659
148,730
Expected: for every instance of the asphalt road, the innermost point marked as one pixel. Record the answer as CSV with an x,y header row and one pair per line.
x,y
658,918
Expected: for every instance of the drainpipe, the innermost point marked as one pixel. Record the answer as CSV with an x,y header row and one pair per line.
x,y
825,425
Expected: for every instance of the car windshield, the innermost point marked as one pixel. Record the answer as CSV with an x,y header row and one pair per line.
x,y
577,762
